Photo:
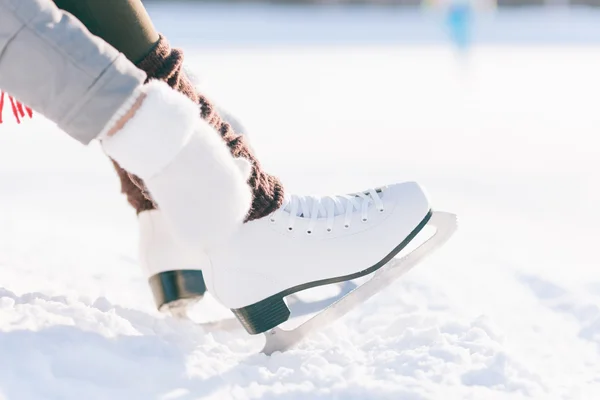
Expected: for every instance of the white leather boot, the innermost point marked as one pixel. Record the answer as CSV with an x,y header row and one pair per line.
x,y
185,164
311,242
174,276
173,273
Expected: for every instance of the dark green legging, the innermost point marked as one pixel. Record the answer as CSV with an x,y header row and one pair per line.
x,y
124,24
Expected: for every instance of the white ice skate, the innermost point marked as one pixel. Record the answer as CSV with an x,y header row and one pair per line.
x,y
311,242
176,281
175,276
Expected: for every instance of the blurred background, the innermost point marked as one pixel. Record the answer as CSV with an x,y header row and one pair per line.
x,y
337,22
407,3
457,72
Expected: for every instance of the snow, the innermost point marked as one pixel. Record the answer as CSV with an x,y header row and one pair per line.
x,y
508,309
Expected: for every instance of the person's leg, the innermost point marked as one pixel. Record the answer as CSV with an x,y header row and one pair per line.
x,y
126,25
51,61
203,192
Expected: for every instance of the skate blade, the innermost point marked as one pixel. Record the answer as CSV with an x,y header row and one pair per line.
x,y
444,223
298,305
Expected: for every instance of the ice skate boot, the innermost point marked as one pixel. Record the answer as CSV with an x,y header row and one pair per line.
x,y
309,242
174,275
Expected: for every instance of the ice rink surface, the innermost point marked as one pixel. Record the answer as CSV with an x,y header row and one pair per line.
x,y
505,136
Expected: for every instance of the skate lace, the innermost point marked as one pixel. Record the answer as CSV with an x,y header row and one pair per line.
x,y
329,207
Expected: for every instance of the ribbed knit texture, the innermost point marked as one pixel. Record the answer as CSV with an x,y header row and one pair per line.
x,y
166,64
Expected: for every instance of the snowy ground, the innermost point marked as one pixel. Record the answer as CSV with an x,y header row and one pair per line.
x,y
508,309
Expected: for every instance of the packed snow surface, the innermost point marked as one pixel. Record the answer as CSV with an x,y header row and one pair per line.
x,y
506,137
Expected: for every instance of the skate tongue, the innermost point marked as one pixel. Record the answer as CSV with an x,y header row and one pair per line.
x,y
310,204
296,201
305,205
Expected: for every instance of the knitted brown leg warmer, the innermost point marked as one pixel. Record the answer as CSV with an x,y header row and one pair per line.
x,y
166,64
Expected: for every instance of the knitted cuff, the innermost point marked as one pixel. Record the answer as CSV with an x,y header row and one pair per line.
x,y
166,64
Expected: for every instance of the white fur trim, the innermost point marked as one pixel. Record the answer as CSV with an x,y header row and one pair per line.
x,y
188,169
156,133
203,192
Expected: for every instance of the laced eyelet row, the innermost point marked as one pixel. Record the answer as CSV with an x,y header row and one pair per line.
x,y
309,232
329,230
297,205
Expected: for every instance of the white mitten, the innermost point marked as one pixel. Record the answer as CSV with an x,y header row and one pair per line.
x,y
187,167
